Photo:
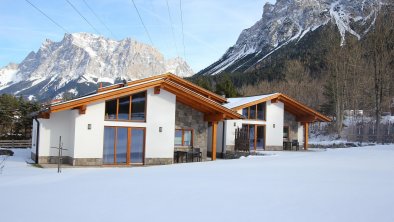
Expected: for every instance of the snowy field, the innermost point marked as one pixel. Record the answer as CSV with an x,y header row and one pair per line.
x,y
352,184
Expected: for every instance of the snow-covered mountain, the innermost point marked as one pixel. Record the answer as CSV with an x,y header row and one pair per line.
x,y
290,20
80,61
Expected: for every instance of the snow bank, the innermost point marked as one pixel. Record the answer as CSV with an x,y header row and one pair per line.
x,y
354,184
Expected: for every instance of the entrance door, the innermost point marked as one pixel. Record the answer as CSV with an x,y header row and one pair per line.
x,y
260,137
123,145
256,136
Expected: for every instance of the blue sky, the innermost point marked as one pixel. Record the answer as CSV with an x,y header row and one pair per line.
x,y
210,26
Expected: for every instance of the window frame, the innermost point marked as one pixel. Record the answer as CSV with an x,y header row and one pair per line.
x,y
256,112
247,126
183,137
130,109
128,151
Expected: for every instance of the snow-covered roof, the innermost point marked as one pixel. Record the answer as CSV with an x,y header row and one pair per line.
x,y
239,101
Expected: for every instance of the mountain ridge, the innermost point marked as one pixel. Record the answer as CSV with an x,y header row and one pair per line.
x,y
290,20
76,64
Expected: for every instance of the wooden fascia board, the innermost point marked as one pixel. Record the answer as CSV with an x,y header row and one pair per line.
x,y
124,91
255,102
289,101
197,89
168,85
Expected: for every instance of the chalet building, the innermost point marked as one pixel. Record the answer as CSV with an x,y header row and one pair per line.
x,y
145,122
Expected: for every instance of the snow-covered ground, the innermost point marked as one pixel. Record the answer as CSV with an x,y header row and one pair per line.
x,y
352,184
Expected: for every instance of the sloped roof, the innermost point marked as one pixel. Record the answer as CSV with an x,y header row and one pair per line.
x,y
301,111
239,101
186,92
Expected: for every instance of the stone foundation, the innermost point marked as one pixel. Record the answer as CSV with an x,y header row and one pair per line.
x,y
159,161
54,160
87,161
274,148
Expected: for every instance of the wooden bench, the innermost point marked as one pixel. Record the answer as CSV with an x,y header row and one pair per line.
x,y
15,143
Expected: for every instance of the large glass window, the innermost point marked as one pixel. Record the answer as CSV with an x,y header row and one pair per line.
x,y
137,146
127,108
245,112
124,108
123,145
255,112
183,137
252,112
256,136
109,144
110,109
178,137
261,111
138,106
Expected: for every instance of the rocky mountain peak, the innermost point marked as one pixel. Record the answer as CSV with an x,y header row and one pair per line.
x,y
78,62
291,20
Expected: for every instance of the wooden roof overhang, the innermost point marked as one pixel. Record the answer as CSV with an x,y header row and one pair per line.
x,y
213,110
172,77
186,93
302,112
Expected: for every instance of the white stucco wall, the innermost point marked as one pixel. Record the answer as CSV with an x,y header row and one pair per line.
x,y
59,124
274,125
89,143
229,129
160,113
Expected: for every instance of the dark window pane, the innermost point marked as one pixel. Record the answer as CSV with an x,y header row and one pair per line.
x,y
245,112
178,137
121,145
110,109
286,133
137,146
109,139
124,108
252,112
261,111
251,137
138,106
187,138
260,138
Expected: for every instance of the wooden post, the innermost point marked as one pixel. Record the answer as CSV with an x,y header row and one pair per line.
x,y
214,133
306,136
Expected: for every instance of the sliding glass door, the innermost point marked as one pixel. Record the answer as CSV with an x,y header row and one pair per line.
x,y
256,136
123,145
137,145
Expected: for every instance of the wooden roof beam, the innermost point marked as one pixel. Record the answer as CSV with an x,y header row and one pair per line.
x,y
214,117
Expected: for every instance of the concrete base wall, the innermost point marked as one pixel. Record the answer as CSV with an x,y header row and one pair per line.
x,y
274,148
87,161
158,161
54,160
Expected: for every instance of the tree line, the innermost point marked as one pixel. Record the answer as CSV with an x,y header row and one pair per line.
x,y
16,117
